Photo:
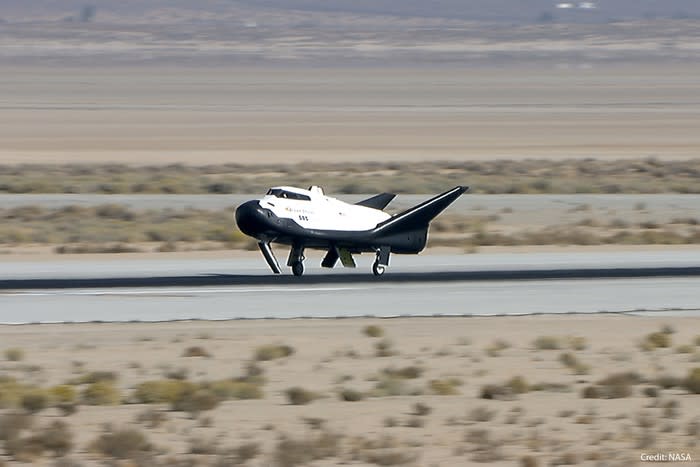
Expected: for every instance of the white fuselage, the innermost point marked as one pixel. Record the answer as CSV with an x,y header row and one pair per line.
x,y
320,212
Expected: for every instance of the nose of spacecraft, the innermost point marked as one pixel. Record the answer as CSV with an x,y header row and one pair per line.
x,y
251,218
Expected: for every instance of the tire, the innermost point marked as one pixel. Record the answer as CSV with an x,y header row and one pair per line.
x,y
378,269
298,269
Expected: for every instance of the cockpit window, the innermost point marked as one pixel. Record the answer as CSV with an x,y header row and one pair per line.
x,y
277,193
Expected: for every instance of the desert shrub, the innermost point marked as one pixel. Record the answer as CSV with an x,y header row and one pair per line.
x,y
651,391
495,391
24,449
444,387
124,443
12,424
300,396
351,395
408,372
11,392
693,428
62,394
614,386
373,331
577,343
570,360
56,437
591,392
152,418
273,352
95,377
485,448
568,458
114,211
101,393
627,378
389,387
161,391
235,389
668,381
35,401
618,391
529,461
415,422
245,452
671,409
237,456
195,400
384,348
196,351
481,414
421,409
697,340
179,374
203,446
547,343
496,347
66,462
315,423
389,457
655,340
290,452
692,381
14,354
685,348
518,385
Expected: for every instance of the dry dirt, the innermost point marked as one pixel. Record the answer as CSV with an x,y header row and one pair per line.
x,y
334,354
269,115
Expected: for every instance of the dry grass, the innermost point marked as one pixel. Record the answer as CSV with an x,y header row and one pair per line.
x,y
497,176
115,228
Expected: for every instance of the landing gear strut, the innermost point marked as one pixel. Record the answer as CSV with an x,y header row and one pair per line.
x,y
296,260
382,261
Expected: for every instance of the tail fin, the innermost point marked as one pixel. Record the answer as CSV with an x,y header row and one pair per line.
x,y
379,201
420,216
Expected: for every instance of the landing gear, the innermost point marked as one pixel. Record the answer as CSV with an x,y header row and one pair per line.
x,y
298,268
296,260
378,269
382,261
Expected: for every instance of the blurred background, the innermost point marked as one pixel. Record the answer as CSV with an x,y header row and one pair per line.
x,y
222,97
130,130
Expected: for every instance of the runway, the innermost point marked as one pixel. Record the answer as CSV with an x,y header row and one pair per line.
x,y
242,288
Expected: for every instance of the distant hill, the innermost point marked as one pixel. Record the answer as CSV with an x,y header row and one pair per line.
x,y
350,32
474,10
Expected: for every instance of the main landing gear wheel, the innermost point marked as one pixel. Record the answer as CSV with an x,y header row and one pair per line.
x,y
378,269
298,268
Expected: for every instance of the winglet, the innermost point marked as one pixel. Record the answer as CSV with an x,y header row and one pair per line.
x,y
379,201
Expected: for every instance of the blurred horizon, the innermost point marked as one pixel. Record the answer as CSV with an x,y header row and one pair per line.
x,y
519,11
340,33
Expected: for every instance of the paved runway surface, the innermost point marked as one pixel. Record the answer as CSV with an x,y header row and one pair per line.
x,y
424,285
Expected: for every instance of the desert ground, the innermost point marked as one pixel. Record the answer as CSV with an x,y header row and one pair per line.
x,y
158,115
505,390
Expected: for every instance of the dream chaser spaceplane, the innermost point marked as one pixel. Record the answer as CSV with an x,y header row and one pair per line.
x,y
309,219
